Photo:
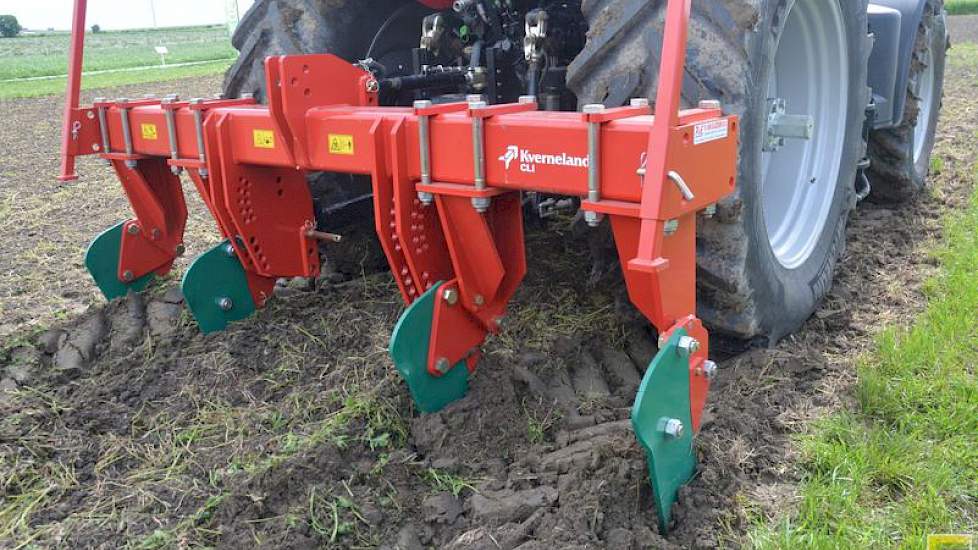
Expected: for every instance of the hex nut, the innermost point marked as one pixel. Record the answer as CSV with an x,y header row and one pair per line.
x,y
674,428
593,219
450,295
710,370
442,365
688,346
481,204
671,227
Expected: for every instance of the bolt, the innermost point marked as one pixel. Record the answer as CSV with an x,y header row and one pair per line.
x,y
639,102
593,219
481,204
373,86
131,164
442,365
426,198
475,99
133,229
127,276
671,227
710,369
593,108
450,296
526,99
479,300
688,346
674,428
229,250
225,303
710,104
180,249
156,234
710,211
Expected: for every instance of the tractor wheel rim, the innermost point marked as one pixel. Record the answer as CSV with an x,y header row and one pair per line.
x,y
925,93
798,184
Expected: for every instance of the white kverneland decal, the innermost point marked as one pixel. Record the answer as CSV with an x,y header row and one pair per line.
x,y
528,160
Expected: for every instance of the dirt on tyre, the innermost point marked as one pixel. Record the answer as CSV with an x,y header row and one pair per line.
x,y
768,257
900,157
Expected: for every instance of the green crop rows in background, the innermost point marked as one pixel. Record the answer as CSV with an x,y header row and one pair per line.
x,y
47,54
128,57
962,7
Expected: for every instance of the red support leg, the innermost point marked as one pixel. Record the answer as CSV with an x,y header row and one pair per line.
x,y
76,56
154,239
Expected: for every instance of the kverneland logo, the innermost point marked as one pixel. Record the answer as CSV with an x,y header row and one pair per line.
x,y
528,160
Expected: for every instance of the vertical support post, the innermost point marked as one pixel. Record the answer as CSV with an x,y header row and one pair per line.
x,y
481,204
667,105
76,56
196,103
424,144
171,130
103,124
593,219
123,105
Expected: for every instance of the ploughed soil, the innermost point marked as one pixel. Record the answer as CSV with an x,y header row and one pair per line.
x,y
122,426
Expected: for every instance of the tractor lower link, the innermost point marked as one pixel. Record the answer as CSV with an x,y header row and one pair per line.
x,y
447,181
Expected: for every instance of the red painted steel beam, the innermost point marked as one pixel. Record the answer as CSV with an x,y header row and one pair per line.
x,y
437,4
558,137
76,56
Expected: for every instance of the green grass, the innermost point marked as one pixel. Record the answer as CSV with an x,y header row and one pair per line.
x,y
45,55
904,463
961,7
39,88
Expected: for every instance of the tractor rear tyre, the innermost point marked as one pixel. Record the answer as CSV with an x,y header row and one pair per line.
x,y
901,156
289,27
768,257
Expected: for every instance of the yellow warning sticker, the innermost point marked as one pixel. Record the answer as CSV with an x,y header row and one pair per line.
x,y
340,144
264,139
947,541
150,131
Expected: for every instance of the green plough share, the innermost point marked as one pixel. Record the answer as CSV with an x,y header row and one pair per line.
x,y
662,401
409,350
216,289
102,261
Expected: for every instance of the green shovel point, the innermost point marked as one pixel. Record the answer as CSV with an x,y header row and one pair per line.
x,y
409,350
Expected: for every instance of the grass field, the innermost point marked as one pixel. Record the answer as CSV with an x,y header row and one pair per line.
x,y
962,7
121,53
903,464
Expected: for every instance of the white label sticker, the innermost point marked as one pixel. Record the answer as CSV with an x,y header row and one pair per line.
x,y
710,131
